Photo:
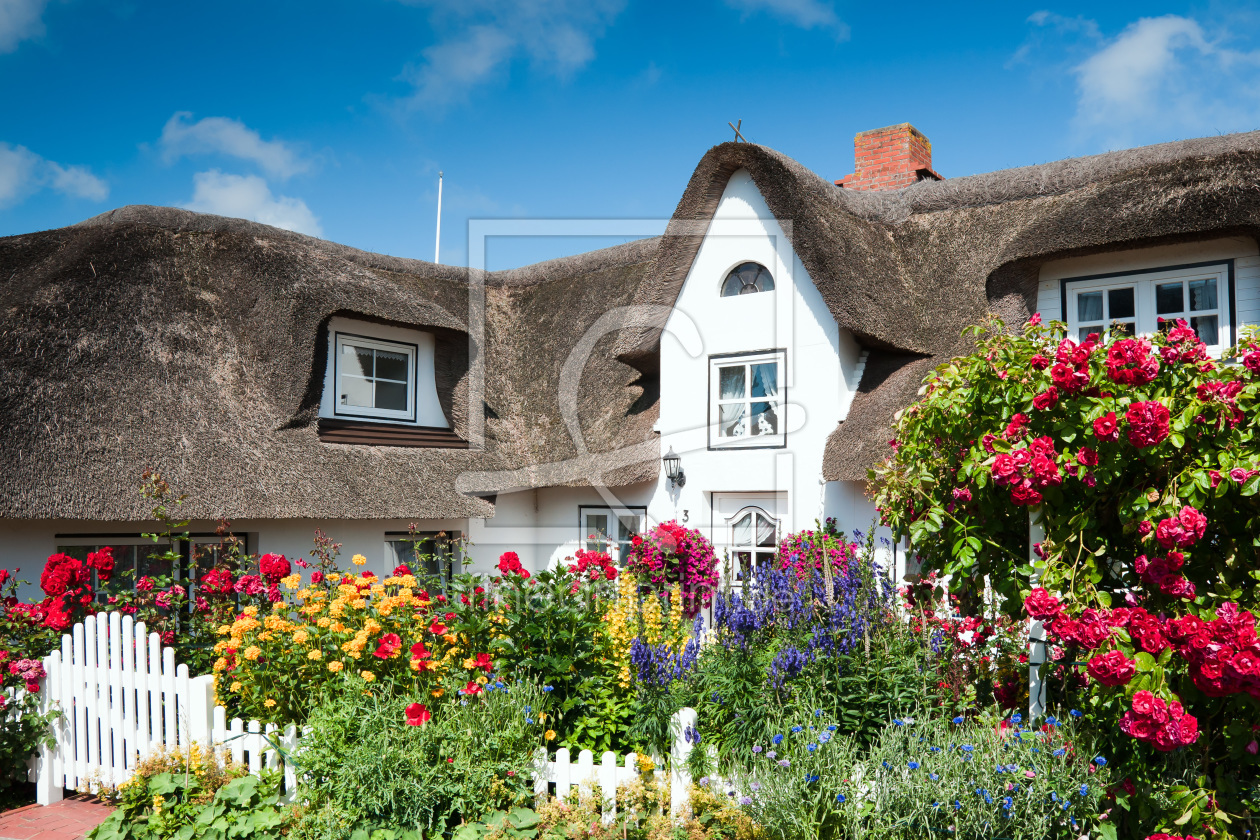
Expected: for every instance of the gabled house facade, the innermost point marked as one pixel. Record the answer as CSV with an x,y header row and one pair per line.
x,y
766,341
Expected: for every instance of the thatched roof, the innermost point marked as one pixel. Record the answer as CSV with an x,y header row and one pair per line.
x,y
190,343
154,337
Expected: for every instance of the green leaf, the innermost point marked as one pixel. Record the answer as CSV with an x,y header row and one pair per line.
x,y
1145,662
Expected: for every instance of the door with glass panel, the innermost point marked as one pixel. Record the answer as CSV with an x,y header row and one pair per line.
x,y
746,531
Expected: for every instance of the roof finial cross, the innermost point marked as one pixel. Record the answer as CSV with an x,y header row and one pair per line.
x,y
739,138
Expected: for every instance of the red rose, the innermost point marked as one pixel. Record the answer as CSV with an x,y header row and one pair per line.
x,y
1046,399
1148,423
1251,361
1176,586
274,567
1045,472
1004,468
1041,605
417,715
1112,668
1129,362
402,570
1143,703
1015,428
1087,457
1024,494
317,578
1039,362
103,562
1181,531
1107,428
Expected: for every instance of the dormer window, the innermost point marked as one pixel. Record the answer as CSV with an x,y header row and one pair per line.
x,y
746,279
375,378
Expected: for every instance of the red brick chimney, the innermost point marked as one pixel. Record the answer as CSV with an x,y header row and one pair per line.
x,y
889,159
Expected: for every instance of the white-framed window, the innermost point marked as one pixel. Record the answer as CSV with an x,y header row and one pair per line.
x,y
374,378
1142,303
746,398
746,279
754,539
610,529
132,553
434,555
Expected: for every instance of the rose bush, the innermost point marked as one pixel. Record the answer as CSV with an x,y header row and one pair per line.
x,y
1141,459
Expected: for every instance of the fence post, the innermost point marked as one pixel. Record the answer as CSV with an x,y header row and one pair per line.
x,y
48,783
1036,631
682,726
200,705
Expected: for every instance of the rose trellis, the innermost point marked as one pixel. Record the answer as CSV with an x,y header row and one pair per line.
x,y
1139,462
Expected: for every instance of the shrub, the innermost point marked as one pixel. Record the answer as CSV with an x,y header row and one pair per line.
x,y
22,728
198,793
968,780
671,553
1141,458
373,760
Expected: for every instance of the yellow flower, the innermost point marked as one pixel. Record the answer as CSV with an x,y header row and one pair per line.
x,y
301,636
470,664
224,629
542,716
253,652
358,603
250,611
550,734
482,680
315,654
236,686
333,577
358,559
292,581
157,804
437,692
324,621
334,666
368,676
220,664
269,702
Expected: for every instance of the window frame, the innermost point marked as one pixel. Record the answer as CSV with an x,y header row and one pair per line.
x,y
454,560
412,351
747,358
1143,281
639,511
774,284
752,549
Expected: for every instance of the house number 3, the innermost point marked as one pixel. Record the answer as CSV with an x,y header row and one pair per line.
x,y
686,516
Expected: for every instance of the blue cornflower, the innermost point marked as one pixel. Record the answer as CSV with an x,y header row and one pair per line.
x,y
967,748
1076,713
1100,761
529,710
957,805
934,776
1016,718
824,737
745,800
914,765
771,754
548,688
831,728
934,749
1007,802
812,747
887,766
817,712
1084,790
1052,721
1060,751
783,762
809,780
498,685
757,748
795,729
839,798
1036,749
1054,797
899,722
999,769
936,805
958,719
704,780
778,739
1066,806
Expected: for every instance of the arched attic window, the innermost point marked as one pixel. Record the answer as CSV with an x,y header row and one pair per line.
x,y
746,279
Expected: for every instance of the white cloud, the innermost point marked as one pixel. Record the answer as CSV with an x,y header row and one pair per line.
x,y
482,38
23,173
249,197
1160,78
807,14
20,20
221,135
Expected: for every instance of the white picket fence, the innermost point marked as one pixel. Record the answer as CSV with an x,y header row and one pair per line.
x,y
122,697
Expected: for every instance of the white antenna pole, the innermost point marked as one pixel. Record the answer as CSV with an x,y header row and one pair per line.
x,y
437,240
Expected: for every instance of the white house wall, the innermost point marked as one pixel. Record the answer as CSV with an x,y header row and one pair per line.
x,y
820,362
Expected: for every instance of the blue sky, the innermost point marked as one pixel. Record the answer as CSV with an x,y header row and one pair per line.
x,y
334,118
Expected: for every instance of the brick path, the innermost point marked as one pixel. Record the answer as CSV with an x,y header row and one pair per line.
x,y
69,819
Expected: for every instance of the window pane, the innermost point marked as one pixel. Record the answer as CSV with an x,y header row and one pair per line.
x,y
1207,329
732,285
764,558
765,380
1203,296
731,420
390,365
627,527
391,396
1168,299
765,531
597,525
149,561
1089,306
741,532
356,360
744,559
764,420
1122,328
355,391
731,382
1120,304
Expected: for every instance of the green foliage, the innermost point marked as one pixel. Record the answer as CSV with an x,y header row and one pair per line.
x,y
364,768
974,780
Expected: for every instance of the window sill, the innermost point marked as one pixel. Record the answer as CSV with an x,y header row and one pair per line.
x,y
387,434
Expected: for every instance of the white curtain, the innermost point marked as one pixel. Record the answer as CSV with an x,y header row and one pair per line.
x,y
731,415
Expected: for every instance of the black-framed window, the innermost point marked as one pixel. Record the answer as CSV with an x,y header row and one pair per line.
x,y
746,279
747,395
374,378
610,529
1144,301
143,557
439,557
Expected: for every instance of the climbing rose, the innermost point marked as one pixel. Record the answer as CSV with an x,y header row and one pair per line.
x,y
1046,399
1041,604
1106,428
1112,668
1148,423
1129,362
1183,530
274,567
